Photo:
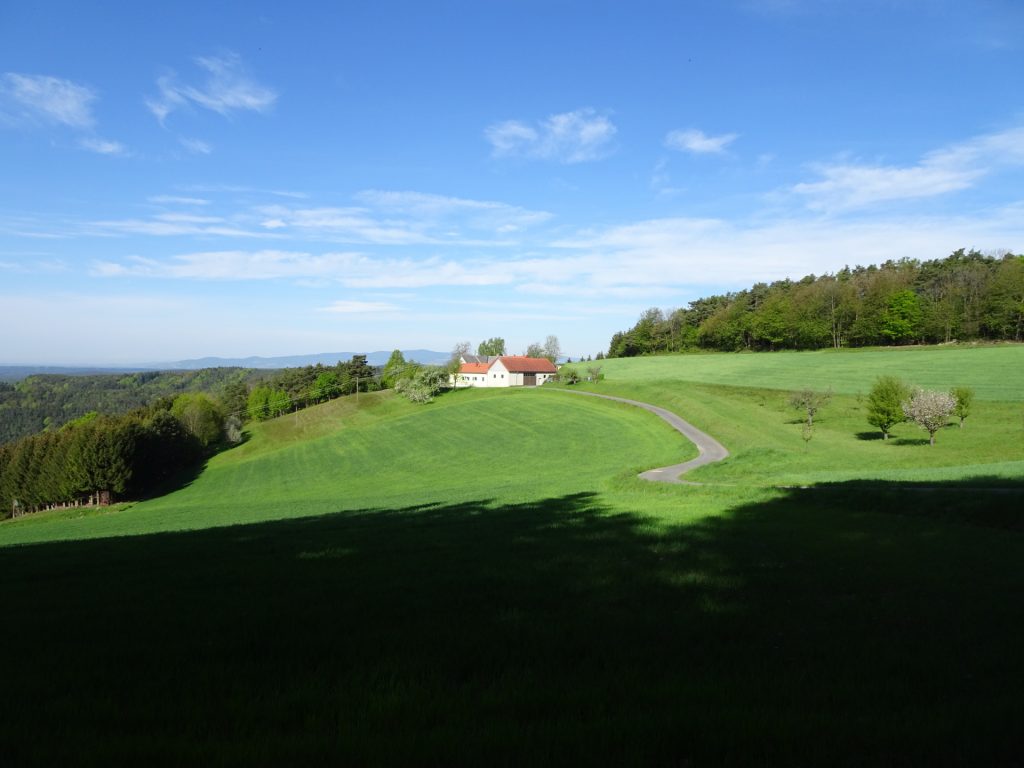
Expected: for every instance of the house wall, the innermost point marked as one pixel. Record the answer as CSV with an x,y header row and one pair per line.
x,y
497,376
470,380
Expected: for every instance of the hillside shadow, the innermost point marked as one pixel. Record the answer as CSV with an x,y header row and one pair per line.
x,y
847,624
174,482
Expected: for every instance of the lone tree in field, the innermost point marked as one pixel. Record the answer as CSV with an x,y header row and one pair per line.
x,y
810,402
885,403
930,410
964,396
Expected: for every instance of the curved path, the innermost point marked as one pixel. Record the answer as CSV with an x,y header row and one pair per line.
x,y
710,450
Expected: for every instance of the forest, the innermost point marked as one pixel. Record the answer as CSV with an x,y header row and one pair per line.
x,y
48,401
134,436
967,296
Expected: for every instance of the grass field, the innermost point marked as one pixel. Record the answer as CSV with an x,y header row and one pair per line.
x,y
994,372
484,580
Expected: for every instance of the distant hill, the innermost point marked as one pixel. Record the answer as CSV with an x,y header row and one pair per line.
x,y
426,356
19,372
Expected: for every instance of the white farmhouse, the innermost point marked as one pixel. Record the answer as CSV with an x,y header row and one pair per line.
x,y
503,371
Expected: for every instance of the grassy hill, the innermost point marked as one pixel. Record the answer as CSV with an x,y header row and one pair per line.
x,y
385,453
485,580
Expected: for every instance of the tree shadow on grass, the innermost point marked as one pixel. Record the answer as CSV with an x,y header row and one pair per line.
x,y
848,624
908,440
873,435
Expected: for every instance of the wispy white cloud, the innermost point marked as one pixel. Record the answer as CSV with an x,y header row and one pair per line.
x,y
638,261
359,307
172,225
177,200
243,190
341,224
196,146
31,264
661,180
352,269
698,142
45,100
233,265
849,185
694,252
446,212
103,146
227,89
569,137
407,218
42,98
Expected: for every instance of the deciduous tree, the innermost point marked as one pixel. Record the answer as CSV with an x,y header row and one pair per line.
x,y
493,346
200,415
885,403
424,385
930,410
393,368
552,349
810,402
964,397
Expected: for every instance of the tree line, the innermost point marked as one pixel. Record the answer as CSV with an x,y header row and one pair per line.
x,y
291,389
966,296
97,459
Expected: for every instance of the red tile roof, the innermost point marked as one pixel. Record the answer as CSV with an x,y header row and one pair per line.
x,y
474,368
519,364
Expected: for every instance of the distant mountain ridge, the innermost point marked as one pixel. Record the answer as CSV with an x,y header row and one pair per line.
x,y
426,356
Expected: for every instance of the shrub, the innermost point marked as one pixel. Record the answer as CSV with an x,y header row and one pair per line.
x,y
423,385
568,375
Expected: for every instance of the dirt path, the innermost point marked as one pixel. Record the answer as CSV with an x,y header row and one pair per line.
x,y
710,450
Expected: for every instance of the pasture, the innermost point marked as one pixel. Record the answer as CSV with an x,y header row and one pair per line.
x,y
995,372
484,579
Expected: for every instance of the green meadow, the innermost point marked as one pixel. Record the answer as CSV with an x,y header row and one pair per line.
x,y
995,372
484,580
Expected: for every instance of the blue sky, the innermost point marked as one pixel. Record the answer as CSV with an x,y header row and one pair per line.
x,y
189,179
